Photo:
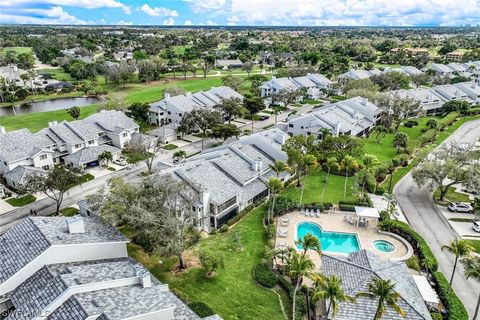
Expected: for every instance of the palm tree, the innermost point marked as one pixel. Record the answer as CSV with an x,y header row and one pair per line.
x,y
369,163
275,186
432,123
391,203
180,154
105,156
380,131
279,166
298,266
283,254
310,242
459,248
331,163
383,290
400,141
329,288
324,132
471,265
428,265
348,164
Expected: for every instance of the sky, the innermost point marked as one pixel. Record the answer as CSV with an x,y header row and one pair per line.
x,y
243,12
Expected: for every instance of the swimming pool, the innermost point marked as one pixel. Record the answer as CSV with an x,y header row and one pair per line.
x,y
384,245
339,242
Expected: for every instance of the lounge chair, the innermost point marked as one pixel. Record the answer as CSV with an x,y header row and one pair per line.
x,y
282,244
317,214
282,233
284,222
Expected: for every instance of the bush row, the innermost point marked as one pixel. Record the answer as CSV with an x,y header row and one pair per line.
x,y
472,112
201,309
241,214
418,243
283,205
455,307
448,120
264,275
427,137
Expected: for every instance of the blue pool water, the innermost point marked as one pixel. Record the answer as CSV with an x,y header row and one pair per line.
x,y
384,245
331,241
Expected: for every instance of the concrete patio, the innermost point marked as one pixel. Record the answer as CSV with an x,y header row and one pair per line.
x,y
336,222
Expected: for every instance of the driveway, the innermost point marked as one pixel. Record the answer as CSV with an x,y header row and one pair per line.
x,y
425,218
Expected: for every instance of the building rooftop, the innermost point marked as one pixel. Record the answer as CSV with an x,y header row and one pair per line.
x,y
89,154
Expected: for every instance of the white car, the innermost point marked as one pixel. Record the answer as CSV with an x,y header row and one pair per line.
x,y
120,162
460,207
476,226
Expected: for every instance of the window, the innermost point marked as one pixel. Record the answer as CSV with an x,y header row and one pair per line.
x,y
290,125
90,142
101,134
124,134
43,157
78,146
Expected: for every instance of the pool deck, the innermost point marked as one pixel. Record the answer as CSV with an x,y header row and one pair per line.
x,y
336,222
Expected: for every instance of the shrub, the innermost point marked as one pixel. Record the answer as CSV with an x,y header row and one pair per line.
x,y
436,316
271,231
455,307
384,216
213,232
201,309
300,305
400,160
472,111
327,205
380,191
314,206
241,214
264,275
413,263
346,207
418,243
145,242
448,120
427,137
283,205
224,228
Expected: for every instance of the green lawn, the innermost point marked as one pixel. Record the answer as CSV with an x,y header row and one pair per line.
x,y
170,146
232,293
452,195
69,212
58,74
21,201
314,183
134,157
18,50
39,120
475,244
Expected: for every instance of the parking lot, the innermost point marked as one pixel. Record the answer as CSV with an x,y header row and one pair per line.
x,y
462,228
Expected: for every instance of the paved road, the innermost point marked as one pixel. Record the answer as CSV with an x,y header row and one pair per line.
x,y
425,219
46,206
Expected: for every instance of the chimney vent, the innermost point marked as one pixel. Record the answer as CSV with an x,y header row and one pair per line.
x,y
76,224
280,137
167,96
2,129
258,165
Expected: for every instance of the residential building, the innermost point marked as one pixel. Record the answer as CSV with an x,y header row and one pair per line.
x,y
17,177
355,116
227,179
450,92
429,100
441,69
12,73
78,268
407,70
357,270
228,64
472,89
51,145
456,55
171,109
313,83
358,75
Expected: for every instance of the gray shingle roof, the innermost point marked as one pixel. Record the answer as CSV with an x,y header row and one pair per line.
x,y
19,174
111,120
89,154
20,144
358,269
71,310
20,245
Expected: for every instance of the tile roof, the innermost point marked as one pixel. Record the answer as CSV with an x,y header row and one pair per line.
x,y
89,154
358,269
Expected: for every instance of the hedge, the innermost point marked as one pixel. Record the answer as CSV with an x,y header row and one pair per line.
x,y
400,160
264,275
427,137
346,207
472,111
201,309
448,120
283,205
418,243
436,316
241,214
456,309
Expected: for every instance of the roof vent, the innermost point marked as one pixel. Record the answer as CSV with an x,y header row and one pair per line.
x,y
76,224
257,165
2,129
280,137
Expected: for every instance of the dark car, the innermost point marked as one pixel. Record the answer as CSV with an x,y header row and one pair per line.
x,y
264,117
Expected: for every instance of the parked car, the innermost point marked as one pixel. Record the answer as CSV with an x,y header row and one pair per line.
x,y
120,162
460,207
476,226
264,117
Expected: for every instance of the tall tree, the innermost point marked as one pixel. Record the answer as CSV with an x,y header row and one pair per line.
x,y
298,266
460,249
279,166
53,184
224,131
233,82
396,108
298,150
329,288
253,105
348,164
331,163
471,265
232,108
400,141
275,186
448,165
105,156
309,242
384,291
202,119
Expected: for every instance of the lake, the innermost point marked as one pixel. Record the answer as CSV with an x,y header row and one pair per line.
x,y
48,105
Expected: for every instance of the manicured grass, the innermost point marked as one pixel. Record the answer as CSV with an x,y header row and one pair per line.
x,y
69,212
134,157
452,195
85,178
314,183
39,120
170,146
21,201
18,50
58,74
475,244
232,293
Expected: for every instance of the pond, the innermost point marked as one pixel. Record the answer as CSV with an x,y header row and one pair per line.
x,y
48,105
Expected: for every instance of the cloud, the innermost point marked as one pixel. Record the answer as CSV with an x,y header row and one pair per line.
x,y
53,15
124,23
188,23
158,11
169,22
87,4
211,23
199,6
